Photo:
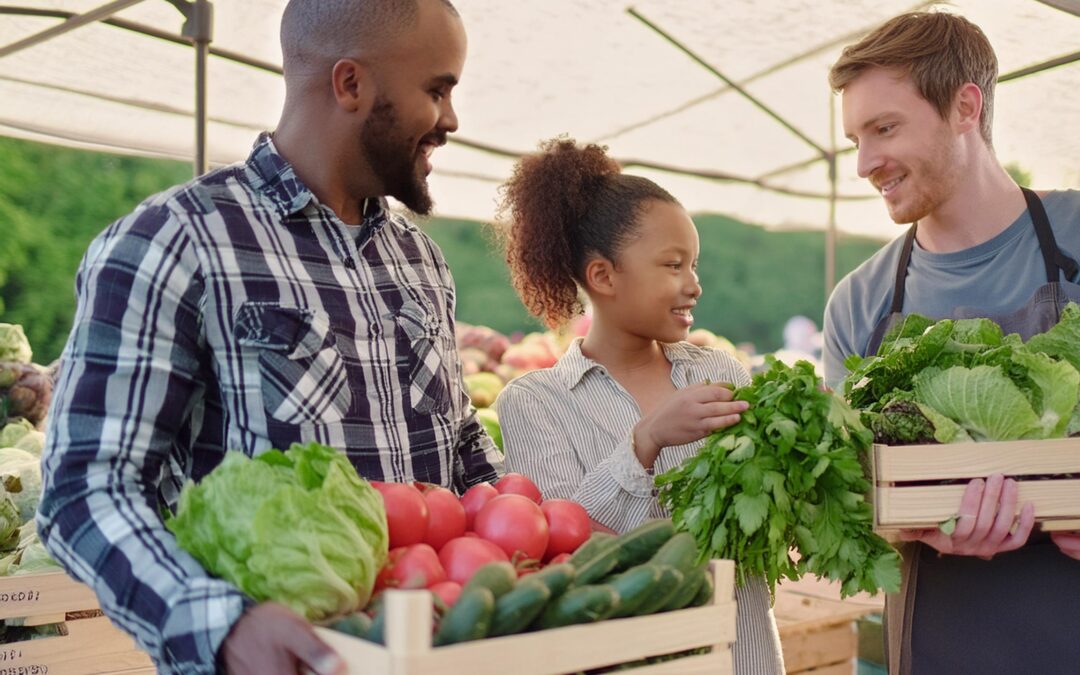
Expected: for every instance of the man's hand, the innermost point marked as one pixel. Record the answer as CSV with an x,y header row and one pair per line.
x,y
271,639
1068,542
984,527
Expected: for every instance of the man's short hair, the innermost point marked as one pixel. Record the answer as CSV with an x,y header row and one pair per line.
x,y
316,33
940,51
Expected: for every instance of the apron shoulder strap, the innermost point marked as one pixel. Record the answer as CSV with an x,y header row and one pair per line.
x,y
1053,258
901,271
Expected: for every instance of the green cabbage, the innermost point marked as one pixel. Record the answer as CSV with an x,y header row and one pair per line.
x,y
13,344
13,431
32,442
20,474
300,528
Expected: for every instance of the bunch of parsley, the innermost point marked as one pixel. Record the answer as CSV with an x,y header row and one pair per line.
x,y
788,476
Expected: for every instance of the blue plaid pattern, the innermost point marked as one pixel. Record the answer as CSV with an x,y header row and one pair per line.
x,y
238,312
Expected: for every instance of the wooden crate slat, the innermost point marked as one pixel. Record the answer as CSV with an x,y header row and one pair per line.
x,y
91,646
976,460
43,594
579,647
717,663
849,667
823,647
928,505
1060,525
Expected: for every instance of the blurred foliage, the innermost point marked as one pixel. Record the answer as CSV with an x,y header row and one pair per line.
x,y
53,201
1018,174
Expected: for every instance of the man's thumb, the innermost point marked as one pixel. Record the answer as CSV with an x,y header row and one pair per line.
x,y
316,654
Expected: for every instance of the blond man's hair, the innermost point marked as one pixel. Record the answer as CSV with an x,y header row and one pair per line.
x,y
940,51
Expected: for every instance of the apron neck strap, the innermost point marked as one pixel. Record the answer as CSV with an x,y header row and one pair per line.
x,y
1053,258
901,271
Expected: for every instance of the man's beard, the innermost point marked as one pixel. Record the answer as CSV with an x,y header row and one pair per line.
x,y
393,158
934,179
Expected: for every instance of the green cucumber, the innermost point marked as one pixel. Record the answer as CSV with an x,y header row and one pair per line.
x,y
680,552
468,619
602,563
634,587
642,542
688,590
590,548
497,577
580,605
520,607
377,631
668,585
356,624
556,577
706,593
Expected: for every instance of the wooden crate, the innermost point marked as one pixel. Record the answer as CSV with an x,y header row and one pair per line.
x,y
902,499
818,631
409,651
88,645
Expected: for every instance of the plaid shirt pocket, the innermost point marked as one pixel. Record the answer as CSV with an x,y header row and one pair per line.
x,y
303,377
429,378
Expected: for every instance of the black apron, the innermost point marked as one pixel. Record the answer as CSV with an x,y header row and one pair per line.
x,y
1020,612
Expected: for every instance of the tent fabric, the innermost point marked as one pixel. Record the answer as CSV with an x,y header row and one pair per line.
x,y
592,70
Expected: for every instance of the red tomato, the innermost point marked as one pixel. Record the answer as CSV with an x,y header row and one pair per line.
x,y
462,556
422,486
568,523
515,524
446,516
561,558
474,499
415,566
406,513
518,484
448,591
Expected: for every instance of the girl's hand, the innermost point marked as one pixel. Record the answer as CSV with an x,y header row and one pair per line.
x,y
688,415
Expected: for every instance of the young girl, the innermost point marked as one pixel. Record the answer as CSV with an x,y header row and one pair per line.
x,y
631,398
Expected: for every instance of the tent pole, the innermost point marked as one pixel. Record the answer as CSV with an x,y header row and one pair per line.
x,y
70,24
202,49
830,231
199,29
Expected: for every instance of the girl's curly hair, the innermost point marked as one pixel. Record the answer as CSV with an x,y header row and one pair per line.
x,y
561,208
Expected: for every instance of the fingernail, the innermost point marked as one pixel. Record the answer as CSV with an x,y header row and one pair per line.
x,y
328,664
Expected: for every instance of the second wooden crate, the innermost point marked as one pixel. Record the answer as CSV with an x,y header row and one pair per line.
x,y
920,486
86,645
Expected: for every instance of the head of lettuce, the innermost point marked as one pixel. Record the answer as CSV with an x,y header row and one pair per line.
x,y
298,527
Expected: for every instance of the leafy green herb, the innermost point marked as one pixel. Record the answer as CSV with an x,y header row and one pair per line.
x,y
788,476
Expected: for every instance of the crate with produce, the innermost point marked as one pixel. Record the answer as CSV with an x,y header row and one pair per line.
x,y
397,575
48,621
954,400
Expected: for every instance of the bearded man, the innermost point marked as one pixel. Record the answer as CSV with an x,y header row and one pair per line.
x,y
269,302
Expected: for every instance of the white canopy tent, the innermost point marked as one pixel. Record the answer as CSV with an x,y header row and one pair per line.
x,y
724,103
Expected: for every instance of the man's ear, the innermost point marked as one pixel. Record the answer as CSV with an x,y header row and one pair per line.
x,y
967,107
353,85
600,277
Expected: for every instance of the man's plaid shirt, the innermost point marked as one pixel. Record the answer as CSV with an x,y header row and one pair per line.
x,y
237,312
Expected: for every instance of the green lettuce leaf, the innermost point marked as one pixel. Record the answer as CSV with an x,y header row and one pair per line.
x,y
1063,340
300,528
982,400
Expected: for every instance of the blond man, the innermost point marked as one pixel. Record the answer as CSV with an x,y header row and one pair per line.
x,y
918,97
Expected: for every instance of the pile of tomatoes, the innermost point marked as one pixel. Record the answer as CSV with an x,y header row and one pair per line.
x,y
438,541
